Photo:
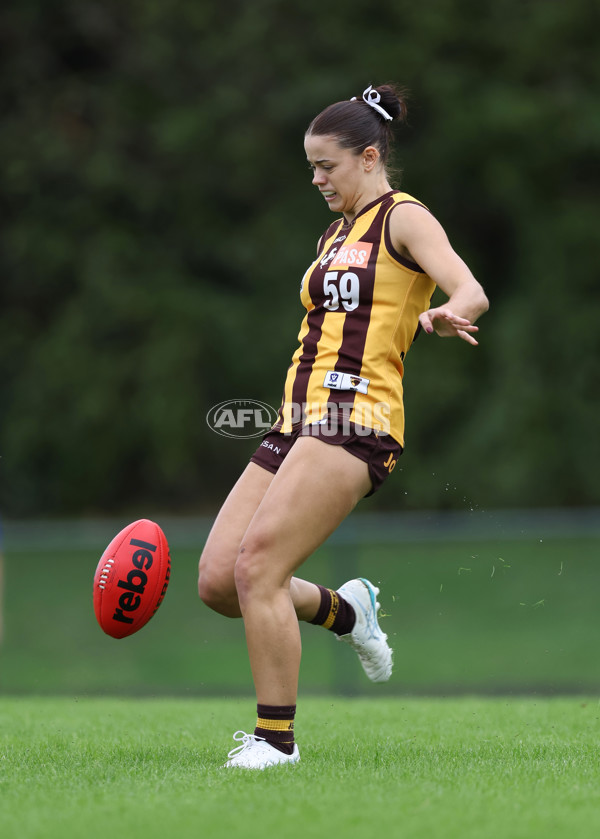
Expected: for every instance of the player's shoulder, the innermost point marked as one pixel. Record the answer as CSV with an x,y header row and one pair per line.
x,y
407,211
407,200
409,221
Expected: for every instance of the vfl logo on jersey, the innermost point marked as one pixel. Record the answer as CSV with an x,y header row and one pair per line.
x,y
346,381
354,255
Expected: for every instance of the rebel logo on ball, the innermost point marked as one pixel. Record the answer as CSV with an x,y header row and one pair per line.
x,y
135,582
131,578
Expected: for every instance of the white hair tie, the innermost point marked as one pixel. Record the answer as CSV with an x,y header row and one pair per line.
x,y
373,98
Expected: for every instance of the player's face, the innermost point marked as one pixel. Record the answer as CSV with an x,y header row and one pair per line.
x,y
338,174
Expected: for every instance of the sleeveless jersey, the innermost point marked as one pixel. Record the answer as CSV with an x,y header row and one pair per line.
x,y
362,302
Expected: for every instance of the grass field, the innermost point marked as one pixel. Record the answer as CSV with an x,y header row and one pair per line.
x,y
453,768
92,744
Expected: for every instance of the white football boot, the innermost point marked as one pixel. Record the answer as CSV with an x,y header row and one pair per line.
x,y
256,753
366,638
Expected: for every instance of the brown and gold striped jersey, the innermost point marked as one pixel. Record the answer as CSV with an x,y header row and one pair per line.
x,y
362,302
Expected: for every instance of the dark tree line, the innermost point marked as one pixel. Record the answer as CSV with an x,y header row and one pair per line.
x,y
157,216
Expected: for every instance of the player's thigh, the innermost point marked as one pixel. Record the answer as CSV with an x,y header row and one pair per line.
x,y
216,566
316,487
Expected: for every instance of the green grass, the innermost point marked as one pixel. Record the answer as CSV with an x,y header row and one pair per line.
x,y
464,768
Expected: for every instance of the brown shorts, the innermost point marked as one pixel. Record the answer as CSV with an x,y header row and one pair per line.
x,y
379,451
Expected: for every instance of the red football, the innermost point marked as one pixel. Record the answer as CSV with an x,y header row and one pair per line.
x,y
131,578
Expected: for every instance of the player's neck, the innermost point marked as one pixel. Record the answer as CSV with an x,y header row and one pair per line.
x,y
368,197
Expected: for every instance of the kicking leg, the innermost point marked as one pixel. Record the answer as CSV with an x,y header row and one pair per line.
x,y
216,582
299,510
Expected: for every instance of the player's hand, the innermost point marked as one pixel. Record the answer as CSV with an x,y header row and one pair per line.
x,y
446,324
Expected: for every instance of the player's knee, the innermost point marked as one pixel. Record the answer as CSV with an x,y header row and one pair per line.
x,y
247,574
254,570
217,593
207,591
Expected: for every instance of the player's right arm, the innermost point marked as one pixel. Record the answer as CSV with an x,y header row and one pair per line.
x,y
420,237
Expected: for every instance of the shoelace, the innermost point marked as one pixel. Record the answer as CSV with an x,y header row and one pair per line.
x,y
246,740
370,615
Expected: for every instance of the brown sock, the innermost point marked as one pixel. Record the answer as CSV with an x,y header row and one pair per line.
x,y
275,724
334,613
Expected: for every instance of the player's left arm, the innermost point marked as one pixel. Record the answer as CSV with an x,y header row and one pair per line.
x,y
418,235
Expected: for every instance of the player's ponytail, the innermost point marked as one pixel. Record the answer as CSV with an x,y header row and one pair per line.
x,y
391,99
363,120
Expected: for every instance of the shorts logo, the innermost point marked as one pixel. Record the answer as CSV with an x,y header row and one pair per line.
x,y
390,463
271,447
241,418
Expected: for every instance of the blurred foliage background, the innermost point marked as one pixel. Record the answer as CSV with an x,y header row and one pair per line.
x,y
157,217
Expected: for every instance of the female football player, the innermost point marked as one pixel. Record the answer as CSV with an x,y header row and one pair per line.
x,y
340,429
